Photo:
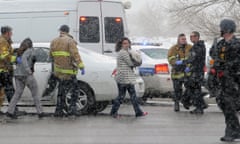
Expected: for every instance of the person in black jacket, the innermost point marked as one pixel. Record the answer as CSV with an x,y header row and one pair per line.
x,y
226,68
195,66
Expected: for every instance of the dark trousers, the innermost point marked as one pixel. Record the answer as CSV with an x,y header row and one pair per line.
x,y
122,88
177,86
64,87
6,82
52,83
192,94
228,103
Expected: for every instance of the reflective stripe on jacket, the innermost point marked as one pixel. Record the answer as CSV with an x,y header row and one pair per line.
x,y
65,56
176,53
6,55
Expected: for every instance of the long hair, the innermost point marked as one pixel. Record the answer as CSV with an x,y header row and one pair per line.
x,y
26,43
118,46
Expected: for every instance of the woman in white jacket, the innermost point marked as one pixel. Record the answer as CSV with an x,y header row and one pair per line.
x,y
125,78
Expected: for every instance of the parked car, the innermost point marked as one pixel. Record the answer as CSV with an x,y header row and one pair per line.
x,y
155,70
97,86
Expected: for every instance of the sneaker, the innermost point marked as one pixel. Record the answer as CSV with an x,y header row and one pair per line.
x,y
12,116
41,115
141,115
20,113
117,116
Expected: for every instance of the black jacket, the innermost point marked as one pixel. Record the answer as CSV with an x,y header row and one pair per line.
x,y
196,58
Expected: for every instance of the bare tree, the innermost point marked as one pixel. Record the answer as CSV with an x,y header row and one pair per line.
x,y
151,20
205,15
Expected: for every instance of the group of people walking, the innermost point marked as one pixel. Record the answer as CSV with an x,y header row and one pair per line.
x,y
223,77
66,62
187,63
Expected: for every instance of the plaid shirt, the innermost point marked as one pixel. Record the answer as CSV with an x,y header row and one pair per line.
x,y
125,72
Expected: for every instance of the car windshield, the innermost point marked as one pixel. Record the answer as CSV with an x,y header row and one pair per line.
x,y
156,53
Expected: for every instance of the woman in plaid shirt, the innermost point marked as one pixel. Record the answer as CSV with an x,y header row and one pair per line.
x,y
125,79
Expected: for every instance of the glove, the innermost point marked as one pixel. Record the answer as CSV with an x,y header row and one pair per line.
x,y
179,62
82,71
220,74
81,65
19,60
187,69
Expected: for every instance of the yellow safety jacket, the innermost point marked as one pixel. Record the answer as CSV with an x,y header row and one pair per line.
x,y
66,58
6,55
175,53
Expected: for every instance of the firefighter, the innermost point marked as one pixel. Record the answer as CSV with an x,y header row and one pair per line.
x,y
6,60
226,67
66,62
176,56
195,65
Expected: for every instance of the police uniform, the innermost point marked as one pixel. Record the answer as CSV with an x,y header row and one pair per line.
x,y
67,61
195,63
226,68
175,53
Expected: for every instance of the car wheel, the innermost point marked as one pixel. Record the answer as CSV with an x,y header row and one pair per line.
x,y
85,98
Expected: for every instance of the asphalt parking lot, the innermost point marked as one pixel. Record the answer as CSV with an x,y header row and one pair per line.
x,y
161,126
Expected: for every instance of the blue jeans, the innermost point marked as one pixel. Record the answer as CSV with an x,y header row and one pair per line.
x,y
122,88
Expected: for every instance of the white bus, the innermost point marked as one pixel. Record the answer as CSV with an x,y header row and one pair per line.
x,y
94,24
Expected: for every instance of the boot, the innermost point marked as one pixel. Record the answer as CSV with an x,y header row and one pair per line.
x,y
74,111
176,106
227,138
197,111
59,113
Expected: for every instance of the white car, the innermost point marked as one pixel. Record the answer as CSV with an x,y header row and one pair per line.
x,y
97,86
155,70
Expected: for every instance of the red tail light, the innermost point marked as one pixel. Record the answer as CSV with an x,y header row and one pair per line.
x,y
114,72
83,19
205,68
213,71
161,69
118,20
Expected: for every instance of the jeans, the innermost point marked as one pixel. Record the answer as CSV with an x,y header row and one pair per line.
x,y
122,88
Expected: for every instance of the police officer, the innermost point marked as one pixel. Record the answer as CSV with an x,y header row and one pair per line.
x,y
195,67
226,66
176,55
66,62
6,60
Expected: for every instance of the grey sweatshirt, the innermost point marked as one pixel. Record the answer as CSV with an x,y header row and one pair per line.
x,y
25,67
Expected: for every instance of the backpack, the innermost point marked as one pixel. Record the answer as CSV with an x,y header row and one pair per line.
x,y
136,58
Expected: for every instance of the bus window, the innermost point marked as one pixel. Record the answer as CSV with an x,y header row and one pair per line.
x,y
113,29
89,29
